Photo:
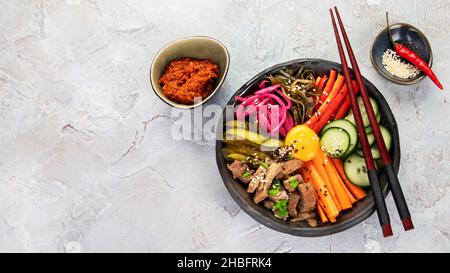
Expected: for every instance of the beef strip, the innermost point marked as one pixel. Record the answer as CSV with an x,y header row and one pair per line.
x,y
292,204
287,182
276,170
289,167
262,191
303,216
238,169
312,222
268,204
300,217
256,179
281,195
308,197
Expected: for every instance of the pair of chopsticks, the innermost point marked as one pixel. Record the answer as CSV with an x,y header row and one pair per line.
x,y
394,184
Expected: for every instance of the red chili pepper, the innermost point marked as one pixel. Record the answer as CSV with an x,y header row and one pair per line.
x,y
412,57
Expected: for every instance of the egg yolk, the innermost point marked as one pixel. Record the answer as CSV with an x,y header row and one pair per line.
x,y
305,142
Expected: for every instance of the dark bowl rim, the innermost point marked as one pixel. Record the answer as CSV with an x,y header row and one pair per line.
x,y
219,85
270,223
390,77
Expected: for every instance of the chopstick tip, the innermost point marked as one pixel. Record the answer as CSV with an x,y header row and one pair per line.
x,y
407,224
387,230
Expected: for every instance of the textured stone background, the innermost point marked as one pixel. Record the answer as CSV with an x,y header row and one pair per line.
x,y
86,158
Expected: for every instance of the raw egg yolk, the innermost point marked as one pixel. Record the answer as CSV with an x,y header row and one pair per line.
x,y
304,141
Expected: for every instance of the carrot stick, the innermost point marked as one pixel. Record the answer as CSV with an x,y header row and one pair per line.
x,y
306,174
332,219
356,191
334,92
331,109
321,189
317,81
329,85
341,196
343,108
321,208
322,215
347,192
322,81
319,164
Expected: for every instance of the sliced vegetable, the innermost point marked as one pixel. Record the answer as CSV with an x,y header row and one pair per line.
x,y
331,110
300,87
322,82
387,140
275,188
349,128
356,170
246,150
236,124
293,182
356,191
345,105
328,86
280,208
335,142
370,138
316,83
379,164
322,215
323,193
241,134
246,174
272,144
344,187
329,99
364,115
341,196
263,164
319,164
239,157
268,104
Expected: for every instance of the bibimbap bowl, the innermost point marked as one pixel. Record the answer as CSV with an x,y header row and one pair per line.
x,y
349,218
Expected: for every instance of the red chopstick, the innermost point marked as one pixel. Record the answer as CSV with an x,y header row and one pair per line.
x,y
383,215
394,183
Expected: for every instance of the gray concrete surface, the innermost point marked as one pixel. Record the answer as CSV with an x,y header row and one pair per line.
x,y
87,161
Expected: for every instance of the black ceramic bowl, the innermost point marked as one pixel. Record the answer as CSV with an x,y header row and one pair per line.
x,y
361,211
407,35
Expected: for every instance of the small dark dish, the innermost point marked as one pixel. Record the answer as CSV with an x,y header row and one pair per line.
x,y
361,211
407,35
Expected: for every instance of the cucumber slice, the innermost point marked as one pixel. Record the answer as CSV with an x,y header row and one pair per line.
x,y
379,164
369,130
356,171
386,137
335,142
350,117
375,153
349,128
370,138
387,140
